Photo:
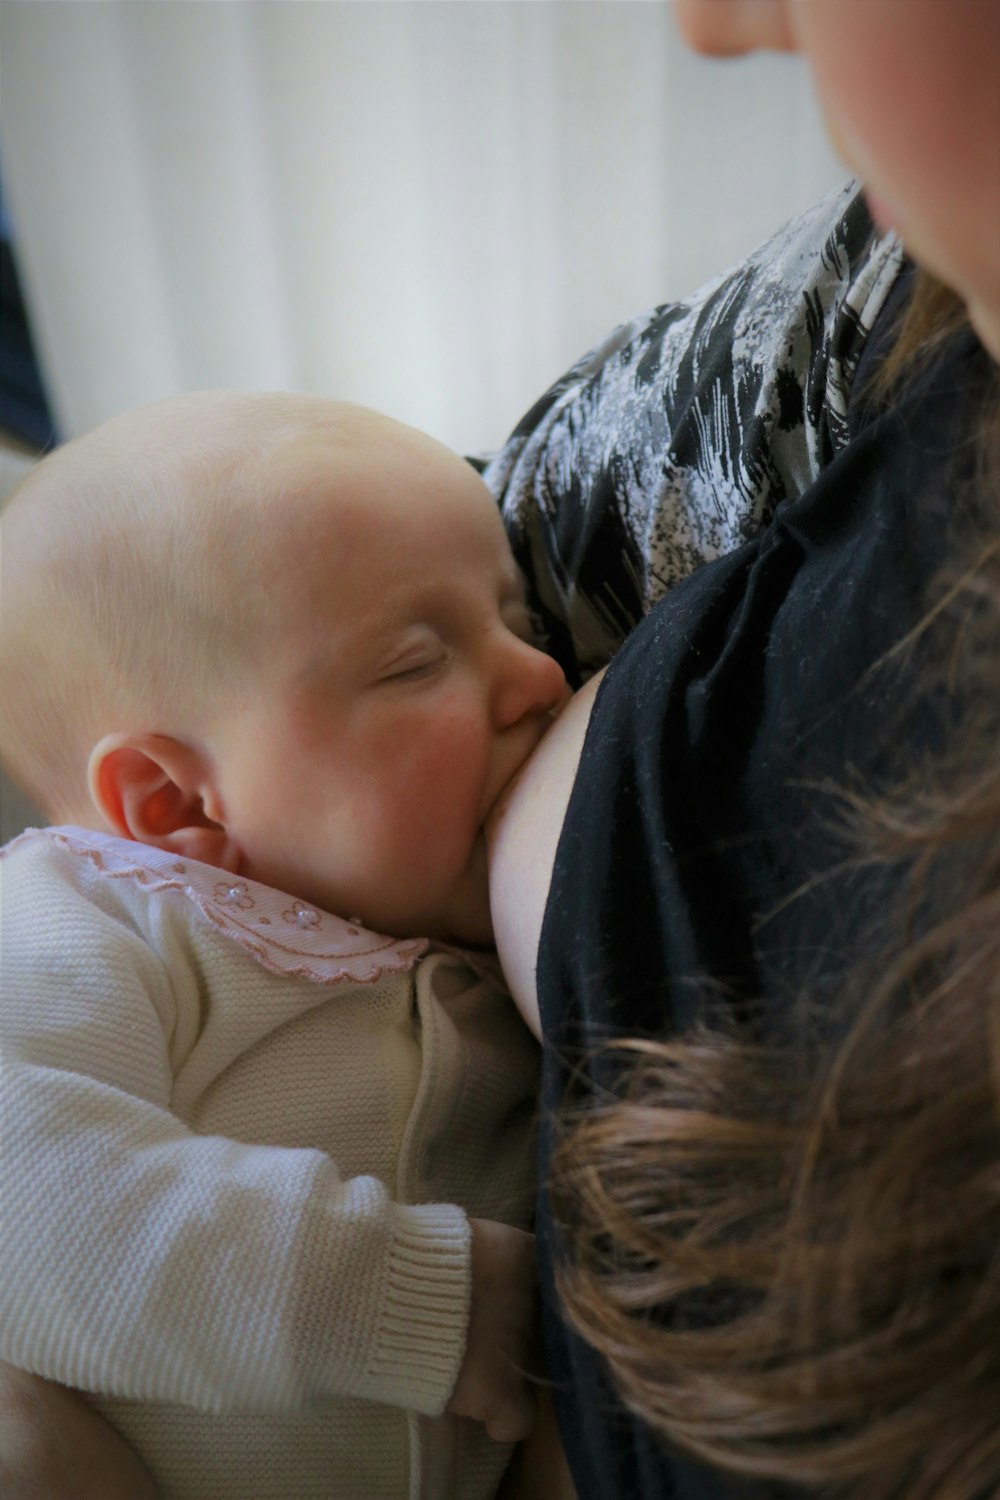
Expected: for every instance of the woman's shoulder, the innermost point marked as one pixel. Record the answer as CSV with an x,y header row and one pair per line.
x,y
826,271
676,438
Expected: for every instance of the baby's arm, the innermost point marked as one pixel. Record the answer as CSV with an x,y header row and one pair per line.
x,y
522,834
137,1217
115,1212
54,1446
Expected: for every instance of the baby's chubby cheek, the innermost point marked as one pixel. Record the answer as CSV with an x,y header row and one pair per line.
x,y
435,781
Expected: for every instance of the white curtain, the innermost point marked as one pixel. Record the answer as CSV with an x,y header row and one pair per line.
x,y
430,206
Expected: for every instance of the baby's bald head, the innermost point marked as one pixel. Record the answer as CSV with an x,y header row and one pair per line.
x,y
133,590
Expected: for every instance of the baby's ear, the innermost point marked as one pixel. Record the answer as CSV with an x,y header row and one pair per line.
x,y
157,790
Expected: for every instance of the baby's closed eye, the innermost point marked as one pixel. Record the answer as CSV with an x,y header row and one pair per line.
x,y
413,672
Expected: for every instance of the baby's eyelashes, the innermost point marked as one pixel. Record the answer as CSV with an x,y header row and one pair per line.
x,y
414,671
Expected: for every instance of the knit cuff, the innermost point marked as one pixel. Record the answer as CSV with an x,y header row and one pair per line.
x,y
420,1340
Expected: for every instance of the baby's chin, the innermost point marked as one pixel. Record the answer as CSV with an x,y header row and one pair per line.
x,y
466,919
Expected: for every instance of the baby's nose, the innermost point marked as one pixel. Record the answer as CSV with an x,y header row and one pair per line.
x,y
531,683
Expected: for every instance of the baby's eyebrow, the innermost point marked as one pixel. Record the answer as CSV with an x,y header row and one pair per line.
x,y
354,643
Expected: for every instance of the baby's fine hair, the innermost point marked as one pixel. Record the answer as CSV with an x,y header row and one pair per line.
x,y
130,563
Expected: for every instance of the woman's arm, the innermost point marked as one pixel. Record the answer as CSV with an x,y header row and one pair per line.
x,y
522,833
54,1446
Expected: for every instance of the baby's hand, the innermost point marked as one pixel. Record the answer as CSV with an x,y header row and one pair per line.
x,y
54,1446
491,1385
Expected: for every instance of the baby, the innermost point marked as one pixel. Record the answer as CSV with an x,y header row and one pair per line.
x,y
266,1172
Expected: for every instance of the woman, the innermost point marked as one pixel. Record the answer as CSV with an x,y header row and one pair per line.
x,y
770,1239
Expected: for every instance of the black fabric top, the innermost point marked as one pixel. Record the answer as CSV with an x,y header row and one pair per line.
x,y
712,469
704,796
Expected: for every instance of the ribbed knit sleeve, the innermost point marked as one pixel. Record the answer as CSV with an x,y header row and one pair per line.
x,y
143,1260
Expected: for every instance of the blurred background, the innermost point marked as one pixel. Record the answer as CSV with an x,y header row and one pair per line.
x,y
430,206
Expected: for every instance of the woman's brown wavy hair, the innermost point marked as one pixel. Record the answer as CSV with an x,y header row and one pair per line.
x,y
839,1214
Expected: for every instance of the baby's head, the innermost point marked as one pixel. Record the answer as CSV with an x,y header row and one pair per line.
x,y
279,634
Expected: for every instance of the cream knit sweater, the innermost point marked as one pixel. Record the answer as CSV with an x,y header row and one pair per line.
x,y
239,1142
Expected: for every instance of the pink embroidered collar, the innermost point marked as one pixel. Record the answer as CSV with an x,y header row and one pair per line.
x,y
282,933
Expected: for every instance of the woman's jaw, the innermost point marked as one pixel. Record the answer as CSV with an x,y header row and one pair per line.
x,y
909,96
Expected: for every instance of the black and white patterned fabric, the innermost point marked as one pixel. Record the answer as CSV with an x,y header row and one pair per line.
x,y
675,439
